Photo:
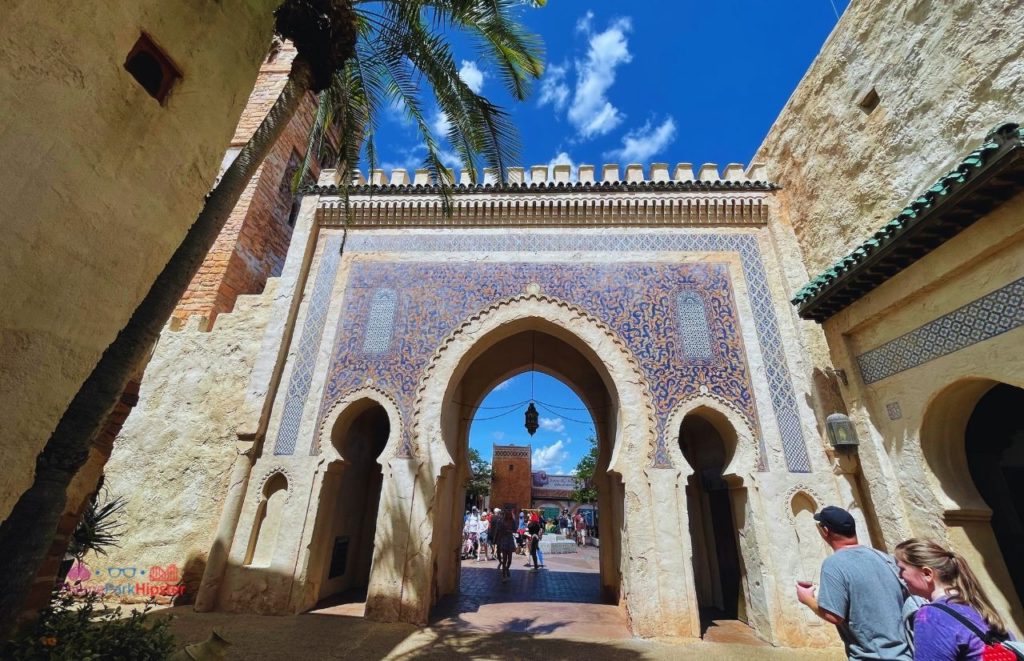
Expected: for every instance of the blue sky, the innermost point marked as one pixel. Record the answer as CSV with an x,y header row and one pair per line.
x,y
565,424
650,81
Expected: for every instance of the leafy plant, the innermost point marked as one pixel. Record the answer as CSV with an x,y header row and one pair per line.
x,y
585,491
479,483
100,527
82,630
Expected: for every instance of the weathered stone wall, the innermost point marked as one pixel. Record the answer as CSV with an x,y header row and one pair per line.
x,y
101,183
945,72
253,244
173,457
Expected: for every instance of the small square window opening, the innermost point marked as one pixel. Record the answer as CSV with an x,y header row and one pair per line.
x,y
869,101
151,68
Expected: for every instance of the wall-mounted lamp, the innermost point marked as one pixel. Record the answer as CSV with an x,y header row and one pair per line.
x,y
841,433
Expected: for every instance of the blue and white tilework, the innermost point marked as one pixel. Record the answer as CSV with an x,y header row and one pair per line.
x,y
694,327
979,320
305,356
636,300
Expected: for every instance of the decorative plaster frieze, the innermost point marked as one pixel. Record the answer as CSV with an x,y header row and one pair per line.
x,y
533,207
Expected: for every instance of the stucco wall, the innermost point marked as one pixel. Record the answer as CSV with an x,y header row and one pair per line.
x,y
945,72
101,182
173,457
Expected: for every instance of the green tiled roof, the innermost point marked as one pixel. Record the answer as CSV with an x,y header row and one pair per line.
x,y
887,251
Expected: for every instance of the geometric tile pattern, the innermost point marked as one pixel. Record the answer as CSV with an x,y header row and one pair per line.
x,y
635,300
782,393
693,325
305,357
979,320
893,410
381,323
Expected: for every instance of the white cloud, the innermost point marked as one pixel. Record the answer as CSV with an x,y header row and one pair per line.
x,y
504,385
640,144
553,89
498,435
472,76
563,158
550,458
440,124
408,158
591,112
552,424
584,23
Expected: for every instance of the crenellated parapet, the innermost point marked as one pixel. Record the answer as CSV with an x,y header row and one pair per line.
x,y
552,196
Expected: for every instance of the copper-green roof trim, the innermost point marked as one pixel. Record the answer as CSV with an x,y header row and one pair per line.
x,y
982,180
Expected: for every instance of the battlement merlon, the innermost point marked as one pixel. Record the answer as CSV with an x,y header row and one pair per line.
x,y
551,198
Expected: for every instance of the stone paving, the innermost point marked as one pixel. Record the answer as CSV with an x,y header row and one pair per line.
x,y
552,613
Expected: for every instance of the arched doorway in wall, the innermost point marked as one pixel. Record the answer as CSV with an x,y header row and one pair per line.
x,y
531,345
994,444
345,529
707,442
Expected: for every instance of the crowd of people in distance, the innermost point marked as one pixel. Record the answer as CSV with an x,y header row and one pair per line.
x,y
924,604
497,536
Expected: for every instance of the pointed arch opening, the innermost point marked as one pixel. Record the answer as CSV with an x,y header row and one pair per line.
x,y
972,438
514,349
344,534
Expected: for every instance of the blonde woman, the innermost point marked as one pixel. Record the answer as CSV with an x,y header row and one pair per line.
x,y
952,626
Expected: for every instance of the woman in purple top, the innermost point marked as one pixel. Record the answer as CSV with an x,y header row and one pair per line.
x,y
943,577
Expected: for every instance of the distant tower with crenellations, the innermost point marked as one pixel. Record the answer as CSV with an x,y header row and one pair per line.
x,y
510,477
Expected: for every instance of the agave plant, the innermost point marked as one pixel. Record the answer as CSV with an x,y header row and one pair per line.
x,y
100,528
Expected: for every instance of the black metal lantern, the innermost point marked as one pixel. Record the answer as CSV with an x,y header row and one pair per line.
x,y
532,419
840,431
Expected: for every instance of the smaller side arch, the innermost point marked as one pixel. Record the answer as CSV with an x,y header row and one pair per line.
x,y
351,405
273,494
743,457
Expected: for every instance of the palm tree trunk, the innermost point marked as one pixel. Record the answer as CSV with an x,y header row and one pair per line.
x,y
26,535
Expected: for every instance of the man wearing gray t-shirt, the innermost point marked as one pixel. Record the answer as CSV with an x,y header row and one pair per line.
x,y
860,592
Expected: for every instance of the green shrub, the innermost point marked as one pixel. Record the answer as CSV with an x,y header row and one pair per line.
x,y
81,629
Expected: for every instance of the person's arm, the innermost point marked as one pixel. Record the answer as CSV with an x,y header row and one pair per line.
x,y
805,594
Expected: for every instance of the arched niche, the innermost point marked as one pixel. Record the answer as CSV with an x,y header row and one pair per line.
x,y
972,440
345,528
265,528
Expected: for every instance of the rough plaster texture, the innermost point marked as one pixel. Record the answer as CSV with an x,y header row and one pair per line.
x,y
105,185
173,457
945,73
914,464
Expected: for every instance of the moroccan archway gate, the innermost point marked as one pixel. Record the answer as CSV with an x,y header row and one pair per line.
x,y
670,293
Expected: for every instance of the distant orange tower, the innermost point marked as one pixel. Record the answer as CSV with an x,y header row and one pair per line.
x,y
510,477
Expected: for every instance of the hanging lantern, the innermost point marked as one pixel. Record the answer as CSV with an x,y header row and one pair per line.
x,y
531,419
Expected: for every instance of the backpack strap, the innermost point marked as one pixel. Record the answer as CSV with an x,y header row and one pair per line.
x,y
987,638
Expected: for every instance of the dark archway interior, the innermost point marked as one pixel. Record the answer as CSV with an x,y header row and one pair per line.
x,y
347,521
716,559
995,458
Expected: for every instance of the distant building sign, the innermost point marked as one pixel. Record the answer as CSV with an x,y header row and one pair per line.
x,y
553,486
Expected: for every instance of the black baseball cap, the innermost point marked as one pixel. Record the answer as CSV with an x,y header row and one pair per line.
x,y
837,520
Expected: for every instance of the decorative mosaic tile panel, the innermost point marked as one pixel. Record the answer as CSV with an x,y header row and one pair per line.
x,y
693,326
893,410
636,300
381,324
783,395
305,357
979,320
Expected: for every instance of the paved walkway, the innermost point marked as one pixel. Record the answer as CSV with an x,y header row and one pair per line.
x,y
549,614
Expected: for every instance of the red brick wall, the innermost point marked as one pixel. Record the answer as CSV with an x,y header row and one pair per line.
x,y
510,476
253,244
